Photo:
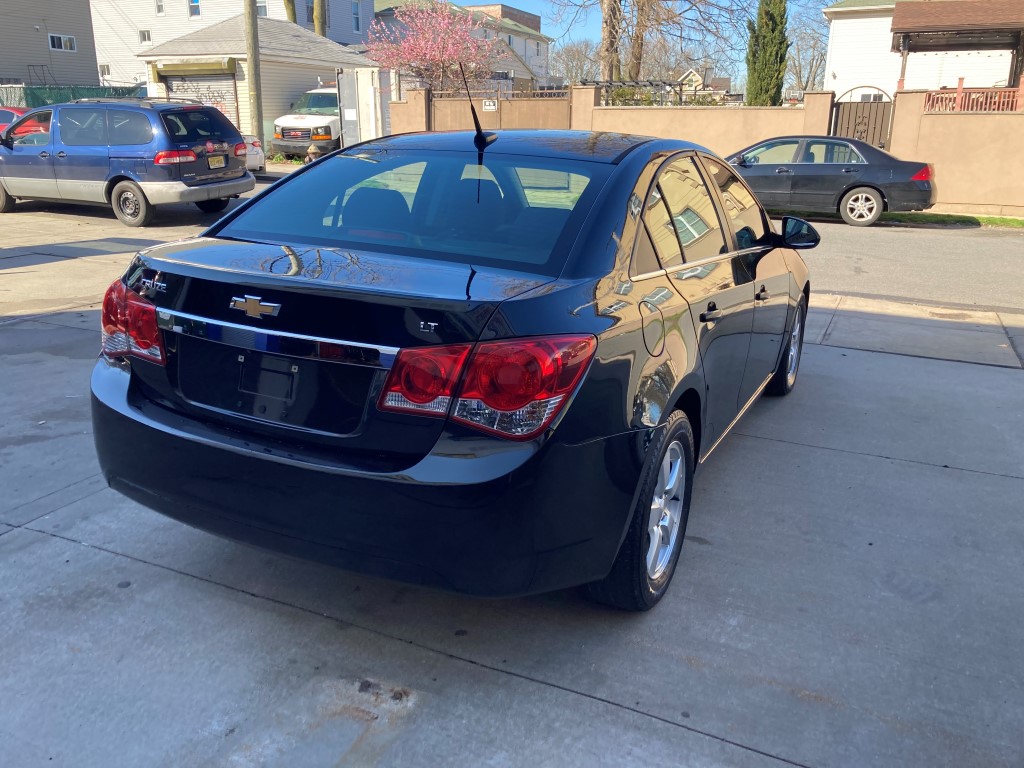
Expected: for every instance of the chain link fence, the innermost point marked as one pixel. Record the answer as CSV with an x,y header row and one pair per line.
x,y
31,96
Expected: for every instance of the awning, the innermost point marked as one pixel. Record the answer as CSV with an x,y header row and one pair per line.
x,y
218,66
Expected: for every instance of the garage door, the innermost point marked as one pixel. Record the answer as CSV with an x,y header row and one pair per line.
x,y
214,90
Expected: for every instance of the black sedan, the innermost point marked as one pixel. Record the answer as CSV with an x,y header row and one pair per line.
x,y
492,370
828,175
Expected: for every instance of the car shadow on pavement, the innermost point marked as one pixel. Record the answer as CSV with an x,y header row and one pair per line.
x,y
177,215
29,255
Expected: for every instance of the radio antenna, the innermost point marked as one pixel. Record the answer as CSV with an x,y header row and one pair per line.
x,y
481,140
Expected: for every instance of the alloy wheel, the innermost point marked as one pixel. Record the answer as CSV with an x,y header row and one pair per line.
x,y
794,347
861,206
663,522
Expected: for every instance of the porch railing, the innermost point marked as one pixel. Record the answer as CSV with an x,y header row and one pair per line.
x,y
975,99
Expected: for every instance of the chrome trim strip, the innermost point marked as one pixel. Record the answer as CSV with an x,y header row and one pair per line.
x,y
261,340
743,410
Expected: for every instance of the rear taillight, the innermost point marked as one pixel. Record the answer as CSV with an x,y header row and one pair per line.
x,y
174,157
513,388
129,326
256,143
240,150
925,174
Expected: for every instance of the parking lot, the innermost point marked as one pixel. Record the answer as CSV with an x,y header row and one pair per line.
x,y
848,595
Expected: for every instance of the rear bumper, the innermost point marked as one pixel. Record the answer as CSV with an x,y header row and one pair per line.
x,y
285,147
910,196
513,520
164,192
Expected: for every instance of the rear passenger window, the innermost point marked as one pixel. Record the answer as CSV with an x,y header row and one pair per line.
x,y
693,213
127,128
83,127
663,234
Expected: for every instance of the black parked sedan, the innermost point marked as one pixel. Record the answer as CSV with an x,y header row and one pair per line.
x,y
493,371
829,174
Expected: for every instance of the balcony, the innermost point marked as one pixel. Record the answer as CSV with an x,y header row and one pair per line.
x,y
975,99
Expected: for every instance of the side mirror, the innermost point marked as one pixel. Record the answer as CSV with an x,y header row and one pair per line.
x,y
798,234
739,160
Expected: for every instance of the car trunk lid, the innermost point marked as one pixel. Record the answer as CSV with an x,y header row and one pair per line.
x,y
208,134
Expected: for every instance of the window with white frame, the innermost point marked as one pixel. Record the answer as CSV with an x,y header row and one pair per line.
x,y
63,43
144,37
538,48
194,9
104,70
357,22
159,7
261,7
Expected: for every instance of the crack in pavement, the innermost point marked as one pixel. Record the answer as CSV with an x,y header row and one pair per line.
x,y
879,456
48,495
430,649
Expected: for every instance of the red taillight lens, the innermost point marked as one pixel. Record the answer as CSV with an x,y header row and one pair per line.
x,y
925,174
240,150
129,326
423,380
256,143
174,157
515,388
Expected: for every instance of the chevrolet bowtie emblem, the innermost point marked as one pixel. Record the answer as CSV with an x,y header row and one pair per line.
x,y
254,306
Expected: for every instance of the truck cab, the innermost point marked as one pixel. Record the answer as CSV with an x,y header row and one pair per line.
x,y
314,120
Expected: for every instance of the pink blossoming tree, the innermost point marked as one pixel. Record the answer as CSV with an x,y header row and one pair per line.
x,y
430,40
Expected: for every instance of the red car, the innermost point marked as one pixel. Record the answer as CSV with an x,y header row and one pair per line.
x,y
9,114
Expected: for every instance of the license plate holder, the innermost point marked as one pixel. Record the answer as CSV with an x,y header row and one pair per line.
x,y
268,377
216,161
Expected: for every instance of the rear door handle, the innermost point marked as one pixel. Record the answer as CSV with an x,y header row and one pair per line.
x,y
62,154
851,170
783,170
44,154
711,314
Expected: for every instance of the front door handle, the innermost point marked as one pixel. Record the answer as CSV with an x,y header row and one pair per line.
x,y
62,154
851,170
711,314
44,154
783,170
762,295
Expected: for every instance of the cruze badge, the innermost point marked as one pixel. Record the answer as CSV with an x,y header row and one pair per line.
x,y
254,306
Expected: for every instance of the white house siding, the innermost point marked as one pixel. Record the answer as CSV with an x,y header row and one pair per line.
x,y
25,54
117,24
859,54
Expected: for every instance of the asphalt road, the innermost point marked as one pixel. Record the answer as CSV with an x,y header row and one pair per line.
x,y
978,268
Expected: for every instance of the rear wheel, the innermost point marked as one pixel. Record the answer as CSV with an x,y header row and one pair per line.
x,y
784,378
861,207
130,205
6,201
213,206
648,555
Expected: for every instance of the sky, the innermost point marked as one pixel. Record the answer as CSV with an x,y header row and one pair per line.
x,y
584,28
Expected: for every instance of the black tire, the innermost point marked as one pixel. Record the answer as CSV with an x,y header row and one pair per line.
x,y
861,207
784,378
630,585
213,206
130,205
6,201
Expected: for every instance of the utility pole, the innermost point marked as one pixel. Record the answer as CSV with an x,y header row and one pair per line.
x,y
252,55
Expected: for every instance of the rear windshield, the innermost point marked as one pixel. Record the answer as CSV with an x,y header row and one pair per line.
x,y
506,211
198,125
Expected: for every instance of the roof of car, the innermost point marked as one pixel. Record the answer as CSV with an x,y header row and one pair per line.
x,y
568,145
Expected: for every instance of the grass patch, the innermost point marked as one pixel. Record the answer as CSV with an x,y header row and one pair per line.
x,y
285,159
921,219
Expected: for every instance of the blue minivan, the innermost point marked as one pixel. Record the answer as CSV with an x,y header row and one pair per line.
x,y
129,154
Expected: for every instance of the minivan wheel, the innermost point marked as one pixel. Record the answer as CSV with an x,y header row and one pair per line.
x,y
6,201
861,207
213,206
130,204
647,558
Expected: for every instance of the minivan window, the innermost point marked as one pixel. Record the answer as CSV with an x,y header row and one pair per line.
x,y
33,130
129,128
441,205
192,125
83,126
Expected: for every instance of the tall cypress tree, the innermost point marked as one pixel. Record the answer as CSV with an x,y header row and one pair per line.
x,y
766,54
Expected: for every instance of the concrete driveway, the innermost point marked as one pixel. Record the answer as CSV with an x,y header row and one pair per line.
x,y
849,593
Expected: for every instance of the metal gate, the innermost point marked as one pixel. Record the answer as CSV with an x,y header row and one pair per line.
x,y
869,121
217,91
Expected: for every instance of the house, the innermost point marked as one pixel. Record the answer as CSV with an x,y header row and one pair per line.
x,y
127,29
210,65
47,42
861,65
694,85
522,61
